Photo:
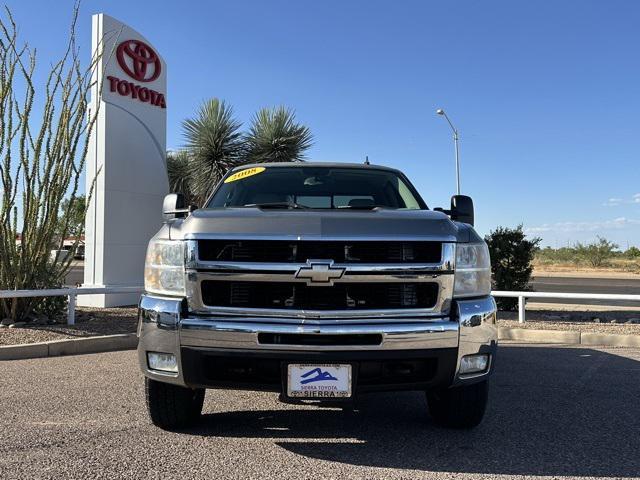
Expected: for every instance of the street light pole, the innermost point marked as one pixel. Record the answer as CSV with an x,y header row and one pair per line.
x,y
440,111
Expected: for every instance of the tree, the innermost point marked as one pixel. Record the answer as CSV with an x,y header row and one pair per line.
x,y
179,170
596,253
73,215
275,136
213,144
511,256
42,155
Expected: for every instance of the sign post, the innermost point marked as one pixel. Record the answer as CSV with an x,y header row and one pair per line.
x,y
126,158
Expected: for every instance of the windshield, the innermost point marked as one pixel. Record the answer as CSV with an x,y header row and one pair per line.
x,y
316,187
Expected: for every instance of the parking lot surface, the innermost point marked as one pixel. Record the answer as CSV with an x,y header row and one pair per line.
x,y
554,411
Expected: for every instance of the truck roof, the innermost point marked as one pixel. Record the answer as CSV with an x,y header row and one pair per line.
x,y
315,165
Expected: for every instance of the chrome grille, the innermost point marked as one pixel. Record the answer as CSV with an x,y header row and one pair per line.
x,y
269,278
342,296
299,251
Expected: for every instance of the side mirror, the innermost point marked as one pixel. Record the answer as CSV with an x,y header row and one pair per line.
x,y
462,209
174,206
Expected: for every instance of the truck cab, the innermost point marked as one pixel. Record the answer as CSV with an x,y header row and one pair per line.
x,y
321,282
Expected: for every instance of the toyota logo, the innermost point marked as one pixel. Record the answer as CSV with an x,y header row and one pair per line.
x,y
138,60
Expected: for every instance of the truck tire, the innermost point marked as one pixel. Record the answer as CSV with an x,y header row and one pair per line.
x,y
459,407
171,406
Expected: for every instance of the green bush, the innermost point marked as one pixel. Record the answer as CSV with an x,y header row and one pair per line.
x,y
54,308
596,253
632,252
550,255
511,257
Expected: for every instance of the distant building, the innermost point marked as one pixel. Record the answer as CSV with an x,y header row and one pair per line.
x,y
67,244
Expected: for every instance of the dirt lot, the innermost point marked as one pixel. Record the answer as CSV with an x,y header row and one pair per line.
x,y
617,268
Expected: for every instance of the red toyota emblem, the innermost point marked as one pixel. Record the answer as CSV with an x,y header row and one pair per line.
x,y
144,63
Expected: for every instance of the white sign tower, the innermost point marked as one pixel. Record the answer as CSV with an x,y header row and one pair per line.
x,y
126,158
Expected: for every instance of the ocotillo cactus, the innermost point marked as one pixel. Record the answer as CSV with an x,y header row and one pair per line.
x,y
42,155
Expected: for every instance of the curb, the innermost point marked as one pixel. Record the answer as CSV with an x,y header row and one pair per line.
x,y
74,346
568,337
591,338
538,336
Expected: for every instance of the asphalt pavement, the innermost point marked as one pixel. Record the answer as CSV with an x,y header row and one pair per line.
x,y
622,286
75,276
560,412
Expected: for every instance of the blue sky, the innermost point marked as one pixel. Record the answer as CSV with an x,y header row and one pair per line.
x,y
546,95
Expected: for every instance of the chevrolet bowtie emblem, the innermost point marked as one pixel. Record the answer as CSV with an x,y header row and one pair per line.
x,y
320,272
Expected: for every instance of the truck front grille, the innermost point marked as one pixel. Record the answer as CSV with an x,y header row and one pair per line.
x,y
284,251
298,296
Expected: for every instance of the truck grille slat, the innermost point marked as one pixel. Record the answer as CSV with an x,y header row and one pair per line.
x,y
342,296
284,251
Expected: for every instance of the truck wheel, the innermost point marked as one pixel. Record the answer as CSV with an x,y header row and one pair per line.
x,y
171,406
459,407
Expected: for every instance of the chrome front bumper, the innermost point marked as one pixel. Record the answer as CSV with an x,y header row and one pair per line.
x,y
162,328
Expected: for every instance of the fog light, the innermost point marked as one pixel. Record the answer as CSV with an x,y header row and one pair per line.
x,y
165,362
474,363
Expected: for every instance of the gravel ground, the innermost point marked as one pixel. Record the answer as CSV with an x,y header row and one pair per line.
x,y
600,322
89,322
622,329
554,412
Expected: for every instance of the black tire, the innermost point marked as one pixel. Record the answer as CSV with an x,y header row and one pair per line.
x,y
459,407
171,406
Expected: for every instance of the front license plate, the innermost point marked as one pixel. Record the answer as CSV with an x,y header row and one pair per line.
x,y
319,381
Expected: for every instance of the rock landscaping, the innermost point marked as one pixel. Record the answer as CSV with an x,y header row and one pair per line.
x,y
617,322
89,322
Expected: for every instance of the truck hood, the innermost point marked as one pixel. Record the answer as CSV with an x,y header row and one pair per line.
x,y
379,224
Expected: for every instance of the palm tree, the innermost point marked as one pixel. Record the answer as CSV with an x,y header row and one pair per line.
x,y
275,136
214,145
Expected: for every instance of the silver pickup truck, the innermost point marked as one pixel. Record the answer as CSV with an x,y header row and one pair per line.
x,y
320,282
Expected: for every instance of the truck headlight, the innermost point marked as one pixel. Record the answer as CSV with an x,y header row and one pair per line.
x,y
164,267
473,270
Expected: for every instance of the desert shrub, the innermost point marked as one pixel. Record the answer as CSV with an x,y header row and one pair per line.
x,y
511,257
53,308
632,252
596,254
550,255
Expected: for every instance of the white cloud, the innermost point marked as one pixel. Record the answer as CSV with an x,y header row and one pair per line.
x,y
566,227
615,202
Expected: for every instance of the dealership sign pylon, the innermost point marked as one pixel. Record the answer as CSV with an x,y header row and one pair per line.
x,y
126,158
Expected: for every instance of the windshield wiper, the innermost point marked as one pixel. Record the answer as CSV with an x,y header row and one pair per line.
x,y
291,205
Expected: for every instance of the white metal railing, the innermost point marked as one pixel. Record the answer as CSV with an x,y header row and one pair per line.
x,y
71,293
522,296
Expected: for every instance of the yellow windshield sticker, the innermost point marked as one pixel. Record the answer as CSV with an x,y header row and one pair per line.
x,y
242,174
